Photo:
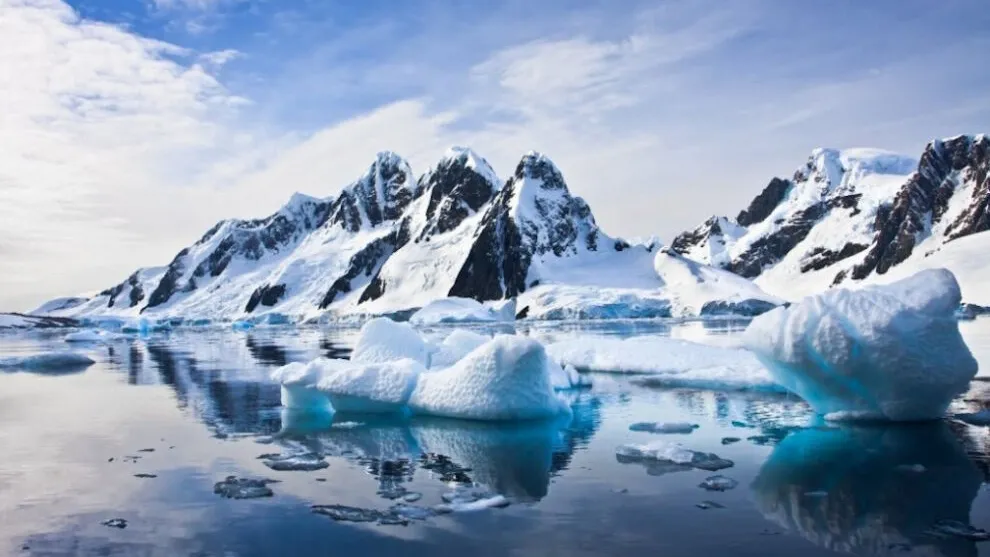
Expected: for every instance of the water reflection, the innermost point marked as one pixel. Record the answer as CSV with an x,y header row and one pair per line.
x,y
870,490
516,460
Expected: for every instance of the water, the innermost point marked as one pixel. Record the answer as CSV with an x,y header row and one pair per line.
x,y
188,410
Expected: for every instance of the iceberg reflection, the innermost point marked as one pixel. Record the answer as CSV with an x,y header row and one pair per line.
x,y
870,489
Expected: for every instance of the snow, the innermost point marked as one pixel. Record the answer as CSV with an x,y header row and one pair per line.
x,y
383,340
22,321
666,362
456,345
506,379
54,362
566,302
463,310
347,386
694,287
892,352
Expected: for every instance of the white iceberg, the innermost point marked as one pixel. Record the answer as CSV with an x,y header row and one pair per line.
x,y
455,346
506,379
463,310
892,352
667,362
383,340
347,386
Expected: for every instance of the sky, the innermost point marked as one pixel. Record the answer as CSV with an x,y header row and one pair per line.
x,y
129,127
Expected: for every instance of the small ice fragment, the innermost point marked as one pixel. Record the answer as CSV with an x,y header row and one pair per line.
x,y
145,476
495,501
296,463
391,519
718,483
730,440
86,335
816,494
412,497
664,427
705,505
343,513
673,453
243,488
345,425
737,423
944,528
412,512
115,523
465,494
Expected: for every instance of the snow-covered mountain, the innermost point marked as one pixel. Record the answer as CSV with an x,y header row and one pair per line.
x,y
389,243
859,215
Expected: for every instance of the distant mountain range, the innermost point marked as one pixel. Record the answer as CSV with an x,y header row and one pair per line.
x,y
392,243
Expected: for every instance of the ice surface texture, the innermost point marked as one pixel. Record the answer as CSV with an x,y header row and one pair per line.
x,y
505,379
884,352
383,340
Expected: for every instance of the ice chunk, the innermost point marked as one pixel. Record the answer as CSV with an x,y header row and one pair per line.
x,y
244,488
673,453
718,483
470,498
54,362
301,462
343,513
668,362
505,379
89,335
664,427
455,346
889,352
348,386
463,310
567,377
383,340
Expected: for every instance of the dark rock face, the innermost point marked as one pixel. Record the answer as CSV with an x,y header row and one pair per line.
x,y
368,262
265,295
520,225
704,233
923,200
819,258
134,297
455,191
382,194
764,204
771,249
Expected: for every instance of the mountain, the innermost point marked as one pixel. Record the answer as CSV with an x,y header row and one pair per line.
x,y
388,244
858,215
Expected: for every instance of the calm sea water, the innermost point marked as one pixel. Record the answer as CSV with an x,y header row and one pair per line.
x,y
193,407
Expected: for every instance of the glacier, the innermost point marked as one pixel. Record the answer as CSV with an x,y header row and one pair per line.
x,y
889,352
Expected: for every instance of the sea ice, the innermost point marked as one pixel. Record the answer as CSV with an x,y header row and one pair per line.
x,y
506,379
664,427
889,352
674,453
668,362
718,483
54,362
463,310
244,488
383,340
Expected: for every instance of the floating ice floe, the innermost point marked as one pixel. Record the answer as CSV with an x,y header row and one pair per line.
x,y
464,310
883,352
347,386
505,379
667,362
55,362
682,428
718,483
244,488
674,453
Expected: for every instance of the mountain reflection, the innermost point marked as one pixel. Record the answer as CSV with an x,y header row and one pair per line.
x,y
870,490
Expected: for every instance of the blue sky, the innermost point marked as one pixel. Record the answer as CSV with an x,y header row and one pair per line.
x,y
131,126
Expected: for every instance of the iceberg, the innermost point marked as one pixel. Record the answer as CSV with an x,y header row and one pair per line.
x,y
463,310
383,340
91,336
505,379
55,362
883,352
346,386
455,346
